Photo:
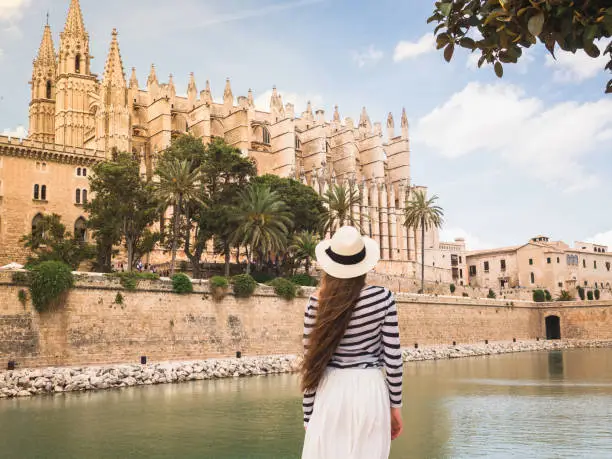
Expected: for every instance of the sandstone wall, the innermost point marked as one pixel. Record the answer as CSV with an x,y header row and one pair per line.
x,y
102,323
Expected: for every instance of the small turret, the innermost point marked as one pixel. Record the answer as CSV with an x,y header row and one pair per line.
x,y
133,79
404,124
192,90
228,96
251,101
206,95
365,125
390,126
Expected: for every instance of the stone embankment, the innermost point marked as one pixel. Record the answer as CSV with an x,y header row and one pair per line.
x,y
28,382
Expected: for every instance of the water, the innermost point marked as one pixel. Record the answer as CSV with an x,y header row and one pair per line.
x,y
532,405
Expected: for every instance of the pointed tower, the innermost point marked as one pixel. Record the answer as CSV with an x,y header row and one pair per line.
x,y
133,79
113,119
206,95
365,125
404,125
192,91
153,84
250,99
74,124
390,127
42,104
228,96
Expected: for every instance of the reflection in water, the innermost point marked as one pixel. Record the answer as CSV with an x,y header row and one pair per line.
x,y
532,405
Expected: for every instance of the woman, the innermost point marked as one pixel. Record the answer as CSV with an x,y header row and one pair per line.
x,y
351,410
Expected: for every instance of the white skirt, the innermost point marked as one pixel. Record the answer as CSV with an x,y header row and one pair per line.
x,y
351,417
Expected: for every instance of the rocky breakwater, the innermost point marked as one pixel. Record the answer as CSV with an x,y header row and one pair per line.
x,y
28,382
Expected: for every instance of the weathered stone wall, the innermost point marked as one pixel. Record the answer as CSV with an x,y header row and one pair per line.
x,y
100,322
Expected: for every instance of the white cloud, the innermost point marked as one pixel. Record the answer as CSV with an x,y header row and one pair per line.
x,y
12,9
472,242
573,68
546,142
604,238
409,49
521,66
19,132
367,56
300,101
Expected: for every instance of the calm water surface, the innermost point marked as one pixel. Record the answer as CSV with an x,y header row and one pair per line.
x,y
536,405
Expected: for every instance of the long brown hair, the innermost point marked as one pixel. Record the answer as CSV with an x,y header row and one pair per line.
x,y
334,311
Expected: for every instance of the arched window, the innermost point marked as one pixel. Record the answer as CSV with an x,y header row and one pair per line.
x,y
48,92
80,229
84,196
84,172
298,144
36,192
37,229
77,63
79,171
43,192
532,278
266,136
77,197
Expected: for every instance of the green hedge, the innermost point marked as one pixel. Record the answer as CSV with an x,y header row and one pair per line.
x,y
262,278
304,280
181,284
597,294
452,288
243,285
539,296
129,280
219,282
581,293
49,280
547,295
491,294
590,295
284,288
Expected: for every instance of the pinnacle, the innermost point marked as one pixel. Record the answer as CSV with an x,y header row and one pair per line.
x,y
113,70
46,52
74,21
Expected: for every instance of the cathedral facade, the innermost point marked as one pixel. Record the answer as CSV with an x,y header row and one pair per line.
x,y
77,119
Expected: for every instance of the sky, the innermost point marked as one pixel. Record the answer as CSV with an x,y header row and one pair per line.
x,y
509,158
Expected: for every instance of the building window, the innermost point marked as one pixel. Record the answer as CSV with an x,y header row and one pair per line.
x,y
48,91
486,266
548,260
460,273
595,284
531,261
80,229
84,196
586,283
584,263
78,171
298,144
472,270
37,228
266,136
532,278
84,172
36,192
460,260
77,63
608,265
43,192
502,265
594,264
558,260
77,197
560,284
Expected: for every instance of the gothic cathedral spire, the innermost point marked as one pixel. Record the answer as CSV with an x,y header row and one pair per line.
x,y
42,105
113,70
74,46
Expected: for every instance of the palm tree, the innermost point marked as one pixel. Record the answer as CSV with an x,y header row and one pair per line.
x,y
263,222
422,212
178,185
339,202
303,247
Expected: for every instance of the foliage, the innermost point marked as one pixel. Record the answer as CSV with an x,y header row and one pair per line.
x,y
181,284
597,294
424,213
500,29
581,293
491,294
22,296
119,298
464,294
590,295
49,241
262,277
284,288
243,285
539,296
340,201
565,296
130,279
305,204
303,247
219,282
547,295
49,280
452,288
122,210
304,280
21,277
263,222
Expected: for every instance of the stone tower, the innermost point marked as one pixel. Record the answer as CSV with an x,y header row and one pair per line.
x,y
74,123
42,105
113,129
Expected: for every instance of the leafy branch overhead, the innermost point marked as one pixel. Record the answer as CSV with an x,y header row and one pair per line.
x,y
501,29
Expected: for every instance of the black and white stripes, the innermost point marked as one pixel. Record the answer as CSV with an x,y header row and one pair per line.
x,y
370,341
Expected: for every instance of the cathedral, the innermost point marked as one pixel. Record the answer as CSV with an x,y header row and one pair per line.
x,y
77,119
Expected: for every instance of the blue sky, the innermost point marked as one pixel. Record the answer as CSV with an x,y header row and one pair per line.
x,y
512,158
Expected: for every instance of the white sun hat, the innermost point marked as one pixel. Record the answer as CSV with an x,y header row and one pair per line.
x,y
347,254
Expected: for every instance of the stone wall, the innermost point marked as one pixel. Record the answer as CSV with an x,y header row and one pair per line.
x,y
100,322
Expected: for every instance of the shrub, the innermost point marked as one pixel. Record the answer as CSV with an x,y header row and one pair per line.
x,y
452,288
547,295
49,280
119,298
304,280
181,284
262,278
590,295
597,294
465,294
22,296
565,296
218,287
129,280
21,278
284,288
243,285
581,293
539,296
491,294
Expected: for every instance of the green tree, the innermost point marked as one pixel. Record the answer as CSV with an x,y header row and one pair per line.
x,y
263,222
305,204
179,185
49,241
500,29
339,203
122,210
424,213
565,296
303,247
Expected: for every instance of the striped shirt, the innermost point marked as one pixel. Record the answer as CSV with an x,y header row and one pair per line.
x,y
370,341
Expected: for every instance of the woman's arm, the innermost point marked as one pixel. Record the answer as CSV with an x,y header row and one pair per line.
x,y
309,321
392,354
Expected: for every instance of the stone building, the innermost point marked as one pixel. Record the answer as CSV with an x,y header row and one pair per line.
x,y
77,118
542,264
